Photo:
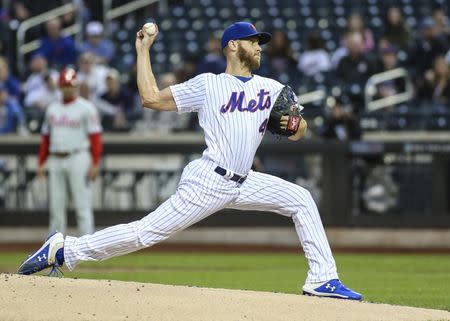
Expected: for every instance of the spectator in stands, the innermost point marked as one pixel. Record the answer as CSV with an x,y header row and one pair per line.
x,y
93,74
355,23
8,80
185,70
85,92
167,79
396,31
442,23
19,11
121,101
436,87
214,60
37,100
4,32
38,69
429,45
164,123
69,18
354,69
340,52
58,49
388,61
89,10
131,85
96,43
383,42
12,119
39,97
280,53
342,123
315,58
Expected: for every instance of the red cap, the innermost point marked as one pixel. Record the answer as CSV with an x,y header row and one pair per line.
x,y
67,77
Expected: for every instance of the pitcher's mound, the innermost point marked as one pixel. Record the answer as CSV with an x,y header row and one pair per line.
x,y
33,298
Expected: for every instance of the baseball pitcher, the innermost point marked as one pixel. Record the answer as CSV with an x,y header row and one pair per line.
x,y
234,109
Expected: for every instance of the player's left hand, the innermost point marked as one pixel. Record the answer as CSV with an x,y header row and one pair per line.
x,y
301,130
93,172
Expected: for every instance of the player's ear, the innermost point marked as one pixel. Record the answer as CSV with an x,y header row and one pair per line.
x,y
233,45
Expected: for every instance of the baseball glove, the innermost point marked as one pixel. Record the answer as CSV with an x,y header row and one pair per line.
x,y
285,105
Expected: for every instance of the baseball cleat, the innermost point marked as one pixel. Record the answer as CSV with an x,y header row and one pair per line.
x,y
331,289
49,255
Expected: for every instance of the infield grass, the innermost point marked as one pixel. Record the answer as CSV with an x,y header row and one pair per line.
x,y
413,280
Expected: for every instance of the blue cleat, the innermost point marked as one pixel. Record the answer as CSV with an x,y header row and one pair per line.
x,y
49,255
331,289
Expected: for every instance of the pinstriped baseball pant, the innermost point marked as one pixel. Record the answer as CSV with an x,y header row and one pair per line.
x,y
200,193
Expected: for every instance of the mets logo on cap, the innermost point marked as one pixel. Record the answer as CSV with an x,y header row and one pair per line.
x,y
253,26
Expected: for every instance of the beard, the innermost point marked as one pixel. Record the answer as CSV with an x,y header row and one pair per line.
x,y
250,61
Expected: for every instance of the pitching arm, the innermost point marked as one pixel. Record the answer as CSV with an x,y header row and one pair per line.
x,y
151,96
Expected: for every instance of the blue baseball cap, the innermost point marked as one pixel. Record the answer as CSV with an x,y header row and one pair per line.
x,y
242,30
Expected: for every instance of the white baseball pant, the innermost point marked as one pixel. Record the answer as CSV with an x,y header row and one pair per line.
x,y
70,172
200,193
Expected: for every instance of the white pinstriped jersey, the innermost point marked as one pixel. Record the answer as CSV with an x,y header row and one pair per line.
x,y
69,125
232,113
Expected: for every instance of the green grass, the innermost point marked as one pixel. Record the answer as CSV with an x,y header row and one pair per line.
x,y
413,280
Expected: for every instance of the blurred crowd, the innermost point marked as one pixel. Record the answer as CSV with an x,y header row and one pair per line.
x,y
424,51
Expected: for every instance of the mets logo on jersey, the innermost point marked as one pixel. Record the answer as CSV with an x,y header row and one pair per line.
x,y
236,102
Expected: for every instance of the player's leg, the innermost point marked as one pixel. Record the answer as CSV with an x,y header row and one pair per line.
x,y
265,192
57,194
80,187
200,193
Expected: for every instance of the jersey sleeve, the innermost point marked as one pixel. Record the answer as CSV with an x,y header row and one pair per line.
x,y
190,96
93,120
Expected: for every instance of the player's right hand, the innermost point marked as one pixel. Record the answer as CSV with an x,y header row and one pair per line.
x,y
40,173
300,131
93,172
144,41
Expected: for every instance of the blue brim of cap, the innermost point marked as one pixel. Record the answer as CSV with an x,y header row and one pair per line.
x,y
264,37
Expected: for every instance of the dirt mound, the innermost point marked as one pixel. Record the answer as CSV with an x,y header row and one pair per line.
x,y
35,298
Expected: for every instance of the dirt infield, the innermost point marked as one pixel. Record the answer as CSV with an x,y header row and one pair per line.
x,y
34,298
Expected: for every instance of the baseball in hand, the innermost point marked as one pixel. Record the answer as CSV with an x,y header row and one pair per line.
x,y
150,28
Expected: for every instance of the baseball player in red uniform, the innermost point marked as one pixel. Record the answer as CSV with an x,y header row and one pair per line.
x,y
72,143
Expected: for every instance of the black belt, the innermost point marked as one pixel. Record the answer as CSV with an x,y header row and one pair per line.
x,y
66,154
235,178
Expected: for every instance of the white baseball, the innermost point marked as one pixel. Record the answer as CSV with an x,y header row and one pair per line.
x,y
150,28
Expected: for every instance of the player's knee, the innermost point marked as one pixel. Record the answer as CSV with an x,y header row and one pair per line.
x,y
301,191
302,195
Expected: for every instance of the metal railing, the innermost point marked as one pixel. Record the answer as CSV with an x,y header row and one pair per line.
x,y
370,89
312,96
110,13
23,48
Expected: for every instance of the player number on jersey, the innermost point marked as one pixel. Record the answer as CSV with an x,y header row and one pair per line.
x,y
262,127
